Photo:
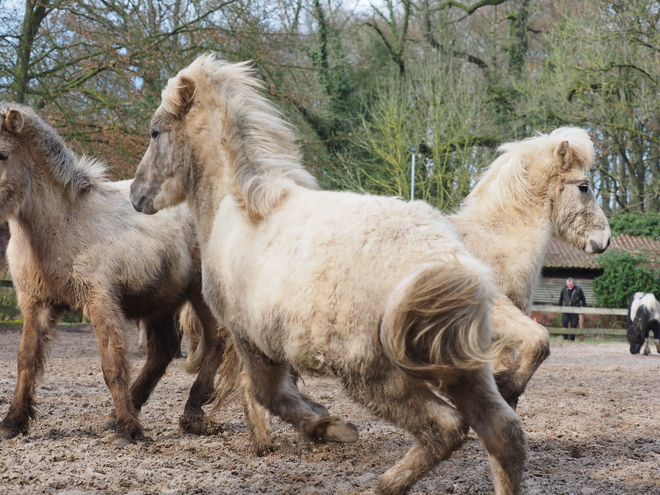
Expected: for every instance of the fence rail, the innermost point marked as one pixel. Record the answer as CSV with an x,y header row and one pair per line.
x,y
547,308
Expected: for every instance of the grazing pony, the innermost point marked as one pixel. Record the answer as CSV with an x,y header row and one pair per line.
x,y
76,243
536,189
643,318
375,291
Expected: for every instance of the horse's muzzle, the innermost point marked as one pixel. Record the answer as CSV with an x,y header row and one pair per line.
x,y
141,203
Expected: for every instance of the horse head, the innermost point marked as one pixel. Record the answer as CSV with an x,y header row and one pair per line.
x,y
15,159
635,335
160,179
576,216
212,117
30,151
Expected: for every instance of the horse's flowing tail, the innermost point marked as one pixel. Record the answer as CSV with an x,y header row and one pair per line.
x,y
192,328
436,320
229,371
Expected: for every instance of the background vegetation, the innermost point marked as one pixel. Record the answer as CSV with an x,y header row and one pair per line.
x,y
623,275
362,81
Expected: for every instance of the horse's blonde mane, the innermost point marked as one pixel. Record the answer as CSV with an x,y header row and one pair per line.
x,y
506,183
264,154
75,173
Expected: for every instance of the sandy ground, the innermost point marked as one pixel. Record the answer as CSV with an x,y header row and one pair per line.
x,y
591,414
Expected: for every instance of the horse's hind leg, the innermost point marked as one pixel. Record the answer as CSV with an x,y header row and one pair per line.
x,y
162,346
476,396
438,428
274,387
38,329
208,357
107,320
256,416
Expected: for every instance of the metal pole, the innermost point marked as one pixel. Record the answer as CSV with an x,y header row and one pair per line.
x,y
413,148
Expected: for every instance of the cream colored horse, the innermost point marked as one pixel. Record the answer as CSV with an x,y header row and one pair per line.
x,y
77,243
375,291
537,188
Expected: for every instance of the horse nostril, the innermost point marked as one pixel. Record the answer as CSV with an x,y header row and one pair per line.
x,y
137,202
609,241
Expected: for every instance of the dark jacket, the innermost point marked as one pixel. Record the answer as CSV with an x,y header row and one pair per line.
x,y
574,299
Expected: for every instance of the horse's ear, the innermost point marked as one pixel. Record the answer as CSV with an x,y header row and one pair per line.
x,y
186,92
13,121
564,155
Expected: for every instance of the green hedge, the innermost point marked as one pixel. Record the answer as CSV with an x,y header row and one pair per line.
x,y
646,225
624,274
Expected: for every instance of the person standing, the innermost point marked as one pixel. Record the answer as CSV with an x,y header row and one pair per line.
x,y
571,295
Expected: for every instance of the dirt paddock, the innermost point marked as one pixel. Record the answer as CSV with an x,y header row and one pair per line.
x,y
591,414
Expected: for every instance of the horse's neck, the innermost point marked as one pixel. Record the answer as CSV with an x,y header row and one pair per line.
x,y
204,199
513,244
42,220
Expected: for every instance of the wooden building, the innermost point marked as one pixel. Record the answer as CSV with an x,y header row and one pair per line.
x,y
563,260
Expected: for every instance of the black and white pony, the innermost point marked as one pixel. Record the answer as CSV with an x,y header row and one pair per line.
x,y
643,318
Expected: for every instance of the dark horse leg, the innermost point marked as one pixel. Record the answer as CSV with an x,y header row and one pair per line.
x,y
273,386
38,329
162,347
106,317
201,392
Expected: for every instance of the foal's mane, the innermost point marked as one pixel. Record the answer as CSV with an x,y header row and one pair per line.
x,y
264,158
505,182
74,173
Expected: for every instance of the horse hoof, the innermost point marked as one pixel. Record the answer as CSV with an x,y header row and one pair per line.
x,y
262,449
192,423
7,433
122,440
342,432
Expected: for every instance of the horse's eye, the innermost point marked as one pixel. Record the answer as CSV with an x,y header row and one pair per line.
x,y
584,188
154,133
4,155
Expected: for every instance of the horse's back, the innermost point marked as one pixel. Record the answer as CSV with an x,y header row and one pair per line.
x,y
323,267
99,242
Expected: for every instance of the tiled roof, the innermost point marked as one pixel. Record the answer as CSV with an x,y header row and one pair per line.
x,y
563,255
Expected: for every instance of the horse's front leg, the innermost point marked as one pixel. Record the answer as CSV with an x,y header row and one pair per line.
x,y
107,319
38,330
520,345
208,355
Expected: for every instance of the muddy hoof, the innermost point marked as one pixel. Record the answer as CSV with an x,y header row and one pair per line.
x,y
262,449
119,440
199,425
7,432
342,432
333,429
192,423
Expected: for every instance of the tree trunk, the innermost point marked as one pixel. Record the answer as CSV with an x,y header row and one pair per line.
x,y
35,12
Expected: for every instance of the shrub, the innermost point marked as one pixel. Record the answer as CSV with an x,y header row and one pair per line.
x,y
624,274
647,225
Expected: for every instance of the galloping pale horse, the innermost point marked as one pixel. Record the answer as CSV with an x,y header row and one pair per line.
x,y
536,189
375,291
76,243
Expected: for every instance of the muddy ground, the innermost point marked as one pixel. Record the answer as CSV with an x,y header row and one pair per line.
x,y
591,413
